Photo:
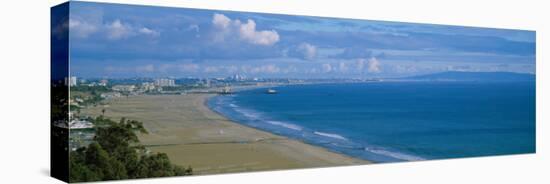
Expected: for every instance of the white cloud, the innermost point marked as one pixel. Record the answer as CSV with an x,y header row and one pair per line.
x,y
373,65
270,69
150,32
249,33
196,28
312,71
342,67
221,21
60,30
246,68
326,67
290,69
117,30
265,69
245,31
461,68
308,51
81,29
403,68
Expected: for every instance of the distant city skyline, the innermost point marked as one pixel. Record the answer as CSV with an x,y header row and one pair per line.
x,y
114,41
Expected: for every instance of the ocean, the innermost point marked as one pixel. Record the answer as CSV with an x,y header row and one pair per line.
x,y
394,121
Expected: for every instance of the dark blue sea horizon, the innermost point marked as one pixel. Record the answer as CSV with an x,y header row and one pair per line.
x,y
395,121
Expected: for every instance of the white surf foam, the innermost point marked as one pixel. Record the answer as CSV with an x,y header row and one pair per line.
x,y
247,113
233,105
334,136
400,156
286,125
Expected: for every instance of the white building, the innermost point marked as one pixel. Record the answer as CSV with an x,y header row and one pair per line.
x,y
103,82
165,82
237,77
127,88
147,86
80,124
71,81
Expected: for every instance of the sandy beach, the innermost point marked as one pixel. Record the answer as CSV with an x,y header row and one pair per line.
x,y
191,134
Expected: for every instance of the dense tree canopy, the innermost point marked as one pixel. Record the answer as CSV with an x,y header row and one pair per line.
x,y
116,153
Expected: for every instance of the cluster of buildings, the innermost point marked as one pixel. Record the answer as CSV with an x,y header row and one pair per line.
x,y
148,86
145,86
73,81
121,87
237,77
156,83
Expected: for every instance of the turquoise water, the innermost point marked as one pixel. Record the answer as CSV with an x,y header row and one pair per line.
x,y
395,121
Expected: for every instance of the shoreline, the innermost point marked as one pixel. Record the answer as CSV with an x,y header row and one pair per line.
x,y
184,127
275,134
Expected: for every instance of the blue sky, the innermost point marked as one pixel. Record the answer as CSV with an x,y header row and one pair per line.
x,y
110,40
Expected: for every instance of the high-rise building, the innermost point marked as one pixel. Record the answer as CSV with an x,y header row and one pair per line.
x,y
165,82
237,77
207,83
72,81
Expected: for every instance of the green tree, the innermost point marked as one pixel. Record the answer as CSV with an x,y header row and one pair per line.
x,y
116,153
101,163
79,170
158,165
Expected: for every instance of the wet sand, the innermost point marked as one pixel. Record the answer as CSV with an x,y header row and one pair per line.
x,y
192,135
